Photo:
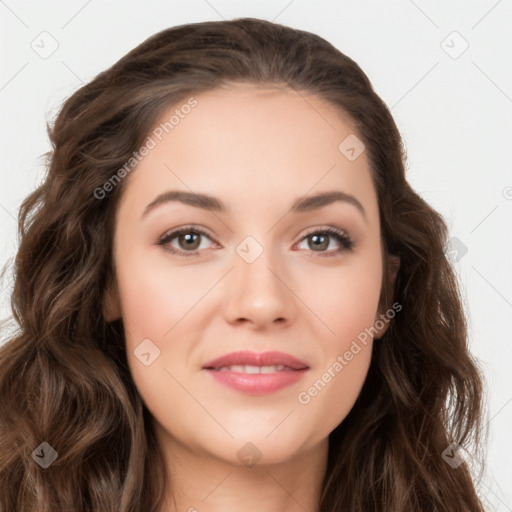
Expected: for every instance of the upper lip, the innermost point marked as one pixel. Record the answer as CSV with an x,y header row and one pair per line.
x,y
256,359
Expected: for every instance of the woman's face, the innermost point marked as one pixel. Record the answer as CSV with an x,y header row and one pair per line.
x,y
253,278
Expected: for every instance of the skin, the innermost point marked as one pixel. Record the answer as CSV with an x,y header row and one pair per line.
x,y
257,150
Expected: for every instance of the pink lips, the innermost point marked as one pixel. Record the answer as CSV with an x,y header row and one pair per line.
x,y
256,373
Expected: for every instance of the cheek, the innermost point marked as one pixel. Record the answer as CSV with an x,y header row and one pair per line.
x,y
154,320
154,297
333,391
154,306
346,347
345,300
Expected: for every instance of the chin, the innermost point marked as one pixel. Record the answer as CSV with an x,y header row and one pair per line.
x,y
256,445
259,452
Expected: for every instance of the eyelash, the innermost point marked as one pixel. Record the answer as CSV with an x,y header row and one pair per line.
x,y
347,244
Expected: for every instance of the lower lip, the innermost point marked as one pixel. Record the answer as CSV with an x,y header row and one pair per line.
x,y
257,383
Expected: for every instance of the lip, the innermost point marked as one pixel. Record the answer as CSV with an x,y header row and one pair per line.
x,y
257,383
256,359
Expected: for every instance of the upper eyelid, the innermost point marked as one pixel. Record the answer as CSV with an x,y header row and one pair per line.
x,y
175,232
314,229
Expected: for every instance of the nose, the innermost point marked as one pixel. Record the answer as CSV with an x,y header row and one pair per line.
x,y
258,294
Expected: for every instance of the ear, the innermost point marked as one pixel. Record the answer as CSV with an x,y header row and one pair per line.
x,y
383,318
111,307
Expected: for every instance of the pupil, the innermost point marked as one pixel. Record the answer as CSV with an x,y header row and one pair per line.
x,y
316,238
189,238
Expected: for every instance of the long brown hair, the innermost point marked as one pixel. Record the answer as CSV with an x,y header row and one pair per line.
x,y
64,378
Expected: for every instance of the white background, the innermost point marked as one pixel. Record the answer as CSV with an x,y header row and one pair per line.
x,y
455,115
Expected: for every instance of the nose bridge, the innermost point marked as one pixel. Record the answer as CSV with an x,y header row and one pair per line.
x,y
260,272
257,265
256,290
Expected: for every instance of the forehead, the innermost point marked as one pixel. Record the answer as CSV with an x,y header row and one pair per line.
x,y
251,145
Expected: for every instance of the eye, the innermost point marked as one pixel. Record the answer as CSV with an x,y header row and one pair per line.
x,y
188,238
320,240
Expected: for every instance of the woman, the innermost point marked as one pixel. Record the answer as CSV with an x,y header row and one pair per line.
x,y
229,296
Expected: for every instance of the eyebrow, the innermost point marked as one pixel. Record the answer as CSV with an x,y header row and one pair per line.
x,y
207,202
